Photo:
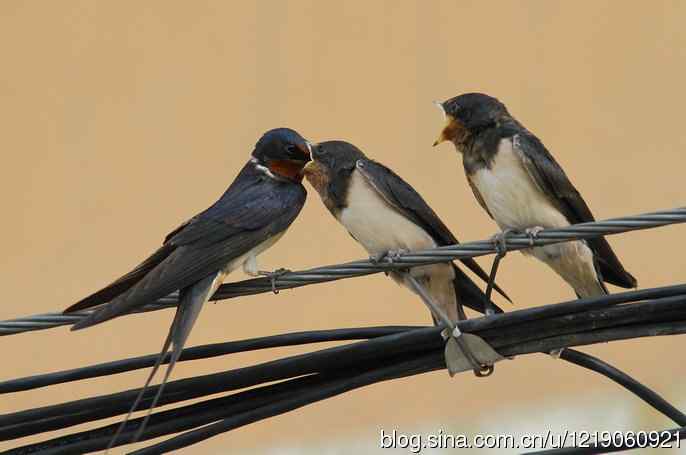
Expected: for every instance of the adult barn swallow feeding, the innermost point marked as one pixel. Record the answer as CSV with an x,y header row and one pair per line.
x,y
253,213
386,215
521,186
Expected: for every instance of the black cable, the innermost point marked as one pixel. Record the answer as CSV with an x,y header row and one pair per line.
x,y
59,416
327,390
272,409
626,381
190,416
657,317
397,353
572,306
198,352
170,421
212,350
650,329
78,411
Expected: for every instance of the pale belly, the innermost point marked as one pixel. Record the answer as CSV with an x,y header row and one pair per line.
x,y
376,225
515,202
512,197
251,256
380,228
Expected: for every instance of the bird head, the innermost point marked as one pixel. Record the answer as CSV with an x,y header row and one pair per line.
x,y
468,114
284,152
331,161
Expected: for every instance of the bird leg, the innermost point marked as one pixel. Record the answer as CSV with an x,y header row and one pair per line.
x,y
500,243
460,347
250,268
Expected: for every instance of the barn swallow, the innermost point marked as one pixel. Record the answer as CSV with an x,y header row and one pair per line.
x,y
386,215
521,186
253,213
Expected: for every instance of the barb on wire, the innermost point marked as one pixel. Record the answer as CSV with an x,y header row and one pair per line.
x,y
323,274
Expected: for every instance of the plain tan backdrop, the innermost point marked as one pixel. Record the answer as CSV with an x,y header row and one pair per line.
x,y
122,119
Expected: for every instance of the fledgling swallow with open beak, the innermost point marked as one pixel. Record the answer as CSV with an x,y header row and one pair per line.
x,y
385,215
521,186
253,213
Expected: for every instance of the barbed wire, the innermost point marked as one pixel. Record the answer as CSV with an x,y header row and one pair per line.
x,y
358,268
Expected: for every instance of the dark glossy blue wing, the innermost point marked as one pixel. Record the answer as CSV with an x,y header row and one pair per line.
x,y
410,204
552,180
254,209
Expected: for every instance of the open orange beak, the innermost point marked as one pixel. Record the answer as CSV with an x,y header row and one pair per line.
x,y
450,127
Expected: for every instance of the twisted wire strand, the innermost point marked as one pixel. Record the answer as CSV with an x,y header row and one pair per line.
x,y
353,269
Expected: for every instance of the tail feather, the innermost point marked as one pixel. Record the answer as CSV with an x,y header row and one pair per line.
x,y
469,294
152,286
191,301
591,287
139,397
611,270
478,271
124,283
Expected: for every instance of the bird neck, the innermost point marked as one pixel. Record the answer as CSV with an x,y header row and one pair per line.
x,y
480,148
279,170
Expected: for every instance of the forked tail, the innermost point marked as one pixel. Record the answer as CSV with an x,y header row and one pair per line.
x,y
191,300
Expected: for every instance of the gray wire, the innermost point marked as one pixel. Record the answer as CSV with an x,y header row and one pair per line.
x,y
323,274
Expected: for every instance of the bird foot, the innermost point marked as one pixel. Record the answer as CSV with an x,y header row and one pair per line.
x,y
389,256
466,351
500,241
533,232
377,258
273,276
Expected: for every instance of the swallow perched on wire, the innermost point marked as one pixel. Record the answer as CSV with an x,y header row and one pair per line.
x,y
253,213
386,215
521,186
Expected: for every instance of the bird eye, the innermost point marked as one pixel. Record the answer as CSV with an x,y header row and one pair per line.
x,y
291,150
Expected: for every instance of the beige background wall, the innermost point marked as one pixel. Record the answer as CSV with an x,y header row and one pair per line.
x,y
122,119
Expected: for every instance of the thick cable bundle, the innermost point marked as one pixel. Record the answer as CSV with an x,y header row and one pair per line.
x,y
378,354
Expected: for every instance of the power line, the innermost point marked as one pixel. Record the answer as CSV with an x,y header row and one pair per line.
x,y
377,354
366,267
